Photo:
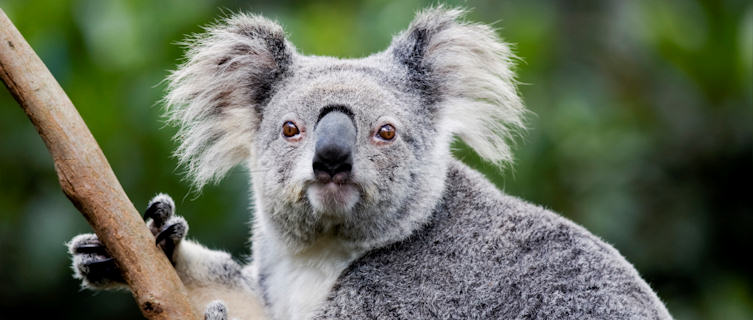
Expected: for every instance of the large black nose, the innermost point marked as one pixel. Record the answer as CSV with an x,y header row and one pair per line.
x,y
335,139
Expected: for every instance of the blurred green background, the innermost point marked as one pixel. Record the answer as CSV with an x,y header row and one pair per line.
x,y
642,132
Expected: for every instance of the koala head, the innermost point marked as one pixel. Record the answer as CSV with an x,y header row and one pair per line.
x,y
353,148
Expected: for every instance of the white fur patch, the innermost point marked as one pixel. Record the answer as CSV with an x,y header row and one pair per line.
x,y
299,282
332,197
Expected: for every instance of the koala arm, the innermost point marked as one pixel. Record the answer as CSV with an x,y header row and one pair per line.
x,y
211,275
199,266
215,282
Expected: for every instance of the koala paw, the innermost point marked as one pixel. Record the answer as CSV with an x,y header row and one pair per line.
x,y
92,264
167,228
97,269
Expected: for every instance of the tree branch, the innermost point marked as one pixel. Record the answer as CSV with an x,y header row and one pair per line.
x,y
88,181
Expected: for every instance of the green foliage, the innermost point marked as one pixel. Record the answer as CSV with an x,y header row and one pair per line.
x,y
642,132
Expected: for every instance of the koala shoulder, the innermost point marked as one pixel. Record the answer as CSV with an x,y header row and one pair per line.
x,y
489,255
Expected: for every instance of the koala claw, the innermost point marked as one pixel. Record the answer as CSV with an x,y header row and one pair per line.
x,y
92,263
168,229
159,209
97,269
89,248
171,235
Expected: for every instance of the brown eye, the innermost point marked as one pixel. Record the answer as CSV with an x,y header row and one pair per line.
x,y
289,129
386,132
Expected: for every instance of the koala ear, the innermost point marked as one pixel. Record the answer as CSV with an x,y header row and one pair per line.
x,y
217,95
464,73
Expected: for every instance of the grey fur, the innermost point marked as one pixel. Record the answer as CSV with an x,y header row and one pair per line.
x,y
412,233
216,310
485,255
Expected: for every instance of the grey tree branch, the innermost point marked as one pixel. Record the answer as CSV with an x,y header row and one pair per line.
x,y
88,181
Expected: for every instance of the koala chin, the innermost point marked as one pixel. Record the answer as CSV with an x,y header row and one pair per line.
x,y
360,209
332,197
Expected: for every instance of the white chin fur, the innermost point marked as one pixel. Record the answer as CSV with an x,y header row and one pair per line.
x,y
332,198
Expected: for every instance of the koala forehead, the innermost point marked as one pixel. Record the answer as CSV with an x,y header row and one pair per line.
x,y
364,87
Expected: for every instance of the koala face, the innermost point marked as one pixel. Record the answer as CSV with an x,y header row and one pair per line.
x,y
356,149
385,156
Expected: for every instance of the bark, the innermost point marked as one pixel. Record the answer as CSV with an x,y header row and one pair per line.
x,y
88,181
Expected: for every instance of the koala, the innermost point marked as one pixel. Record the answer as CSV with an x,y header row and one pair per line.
x,y
361,211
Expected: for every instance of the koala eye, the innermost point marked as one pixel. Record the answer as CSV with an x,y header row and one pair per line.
x,y
290,130
386,132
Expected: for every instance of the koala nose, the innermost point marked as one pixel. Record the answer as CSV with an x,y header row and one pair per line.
x,y
335,139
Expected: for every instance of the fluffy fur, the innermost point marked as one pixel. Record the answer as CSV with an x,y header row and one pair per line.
x,y
468,70
519,262
215,96
418,234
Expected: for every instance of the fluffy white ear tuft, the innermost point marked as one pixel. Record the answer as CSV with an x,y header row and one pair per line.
x,y
465,71
216,96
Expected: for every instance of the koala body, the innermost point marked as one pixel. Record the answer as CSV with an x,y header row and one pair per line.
x,y
360,209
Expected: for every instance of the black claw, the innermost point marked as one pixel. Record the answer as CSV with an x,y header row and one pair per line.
x,y
150,212
168,233
168,238
103,270
95,248
101,262
158,212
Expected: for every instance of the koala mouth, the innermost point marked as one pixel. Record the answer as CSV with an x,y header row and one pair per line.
x,y
333,197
